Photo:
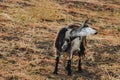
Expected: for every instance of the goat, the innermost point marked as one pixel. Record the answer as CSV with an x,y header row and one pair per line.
x,y
70,39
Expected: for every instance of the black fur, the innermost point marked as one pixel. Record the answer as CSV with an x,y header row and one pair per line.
x,y
56,65
82,49
79,62
68,68
60,39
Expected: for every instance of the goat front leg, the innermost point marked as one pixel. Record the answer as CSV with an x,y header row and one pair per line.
x,y
79,63
80,54
68,68
56,64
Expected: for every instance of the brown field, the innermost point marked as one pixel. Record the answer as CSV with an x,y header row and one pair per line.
x,y
28,29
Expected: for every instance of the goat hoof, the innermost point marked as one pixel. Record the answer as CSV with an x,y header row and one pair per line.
x,y
55,72
80,71
69,74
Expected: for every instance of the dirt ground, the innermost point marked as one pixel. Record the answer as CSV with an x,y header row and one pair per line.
x,y
27,33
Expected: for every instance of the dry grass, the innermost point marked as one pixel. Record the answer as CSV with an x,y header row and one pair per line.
x,y
28,29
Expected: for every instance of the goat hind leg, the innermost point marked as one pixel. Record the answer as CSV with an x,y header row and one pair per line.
x,y
79,63
68,68
56,64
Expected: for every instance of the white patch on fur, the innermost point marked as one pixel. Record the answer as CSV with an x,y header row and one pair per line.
x,y
67,35
65,45
84,32
88,31
75,46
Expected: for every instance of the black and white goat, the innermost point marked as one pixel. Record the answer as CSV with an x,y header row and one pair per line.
x,y
70,39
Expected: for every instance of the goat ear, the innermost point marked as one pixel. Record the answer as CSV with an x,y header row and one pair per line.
x,y
85,22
